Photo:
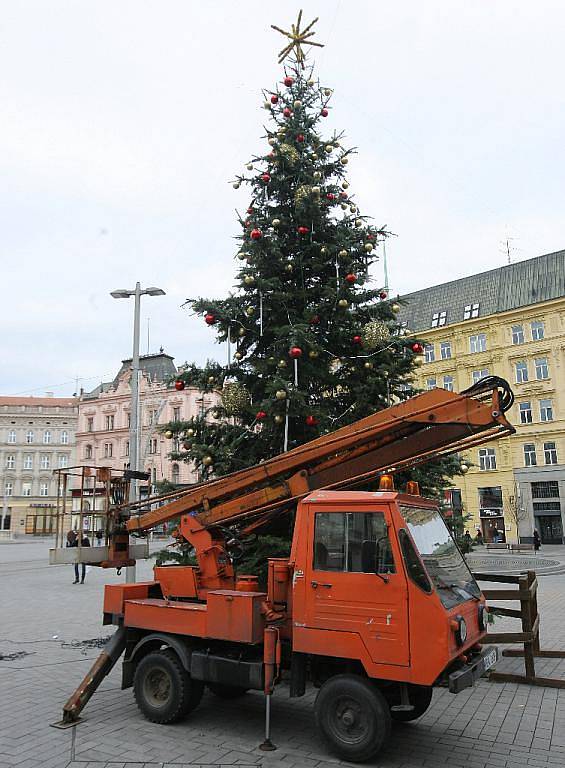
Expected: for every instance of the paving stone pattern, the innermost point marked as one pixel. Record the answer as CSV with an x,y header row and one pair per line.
x,y
490,726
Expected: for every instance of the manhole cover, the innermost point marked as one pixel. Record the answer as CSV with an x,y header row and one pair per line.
x,y
478,563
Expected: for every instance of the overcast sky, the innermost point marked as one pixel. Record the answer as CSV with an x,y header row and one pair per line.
x,y
123,121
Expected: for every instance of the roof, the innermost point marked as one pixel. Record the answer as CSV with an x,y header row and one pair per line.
x,y
156,367
509,287
61,402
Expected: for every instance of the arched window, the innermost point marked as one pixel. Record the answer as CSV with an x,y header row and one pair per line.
x,y
175,473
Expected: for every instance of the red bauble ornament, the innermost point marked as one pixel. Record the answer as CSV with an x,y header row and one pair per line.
x,y
311,421
417,348
357,340
350,278
300,138
287,112
295,352
260,415
330,196
266,178
288,81
256,234
210,319
179,385
250,210
383,295
324,112
315,320
370,237
246,223
274,99
343,195
302,230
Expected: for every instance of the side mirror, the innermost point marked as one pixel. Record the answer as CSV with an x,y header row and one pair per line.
x,y
369,550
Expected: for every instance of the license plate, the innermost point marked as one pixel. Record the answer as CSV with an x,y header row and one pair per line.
x,y
490,659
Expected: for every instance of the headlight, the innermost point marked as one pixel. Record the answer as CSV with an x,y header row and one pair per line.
x,y
482,617
460,628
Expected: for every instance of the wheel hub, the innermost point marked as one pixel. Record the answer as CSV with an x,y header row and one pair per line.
x,y
348,718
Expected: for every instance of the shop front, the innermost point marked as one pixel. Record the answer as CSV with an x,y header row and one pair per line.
x,y
491,515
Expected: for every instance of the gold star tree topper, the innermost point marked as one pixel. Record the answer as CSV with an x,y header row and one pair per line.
x,y
297,39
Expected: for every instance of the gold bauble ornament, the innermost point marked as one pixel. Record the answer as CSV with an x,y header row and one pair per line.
x,y
314,156
311,82
242,332
250,311
271,360
272,142
344,184
327,92
302,193
353,209
343,254
249,280
313,354
317,175
266,105
395,307
329,148
282,364
344,160
316,191
368,247
207,461
238,355
288,267
374,333
235,398
281,133
278,419
168,434
236,185
276,222
289,153
280,394
323,250
368,365
190,432
249,166
343,303
358,223
241,256
343,207
210,379
297,104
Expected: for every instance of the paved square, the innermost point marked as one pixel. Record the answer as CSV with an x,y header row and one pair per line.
x,y
44,615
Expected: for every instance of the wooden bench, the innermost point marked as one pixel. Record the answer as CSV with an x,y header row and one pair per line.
x,y
500,545
522,548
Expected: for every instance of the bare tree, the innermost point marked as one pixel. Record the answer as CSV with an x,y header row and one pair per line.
x,y
514,511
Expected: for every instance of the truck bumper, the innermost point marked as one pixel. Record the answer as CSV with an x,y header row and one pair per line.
x,y
466,675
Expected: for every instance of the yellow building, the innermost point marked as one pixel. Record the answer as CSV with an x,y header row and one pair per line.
x,y
507,322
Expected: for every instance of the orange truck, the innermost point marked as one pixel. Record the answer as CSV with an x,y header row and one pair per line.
x,y
374,606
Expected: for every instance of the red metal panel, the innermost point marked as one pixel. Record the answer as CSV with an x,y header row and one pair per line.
x,y
115,594
163,616
235,616
177,580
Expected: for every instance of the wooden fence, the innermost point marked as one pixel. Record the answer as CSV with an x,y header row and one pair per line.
x,y
526,594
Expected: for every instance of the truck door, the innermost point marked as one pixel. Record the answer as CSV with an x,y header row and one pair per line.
x,y
342,597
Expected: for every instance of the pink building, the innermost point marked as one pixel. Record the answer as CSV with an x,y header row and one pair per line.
x,y
102,437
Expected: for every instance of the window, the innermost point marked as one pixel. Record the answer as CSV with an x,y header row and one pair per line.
x,y
8,488
448,383
478,343
46,437
438,319
64,437
490,498
445,350
487,459
26,488
429,353
521,371
175,473
538,330
546,506
153,445
12,436
413,565
550,453
517,334
28,461
108,450
45,462
109,422
470,310
44,488
127,447
128,420
545,490
90,424
478,375
29,436
542,370
526,413
10,462
176,413
344,541
87,451
546,410
152,416
431,383
530,458
63,462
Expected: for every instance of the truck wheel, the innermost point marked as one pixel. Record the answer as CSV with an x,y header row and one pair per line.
x,y
353,717
163,689
227,691
420,697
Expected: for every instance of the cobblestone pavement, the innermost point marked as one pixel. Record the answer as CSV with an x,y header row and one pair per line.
x,y
42,614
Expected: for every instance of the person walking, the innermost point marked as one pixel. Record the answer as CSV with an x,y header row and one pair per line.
x,y
537,540
85,542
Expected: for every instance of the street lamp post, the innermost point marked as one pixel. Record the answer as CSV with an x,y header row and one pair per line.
x,y
134,431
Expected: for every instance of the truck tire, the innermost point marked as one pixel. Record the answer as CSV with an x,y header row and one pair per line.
x,y
227,691
163,689
420,697
353,717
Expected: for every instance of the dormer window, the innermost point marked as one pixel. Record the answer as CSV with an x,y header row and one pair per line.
x,y
438,319
471,310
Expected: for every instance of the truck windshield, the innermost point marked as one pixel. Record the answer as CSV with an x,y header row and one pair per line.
x,y
444,562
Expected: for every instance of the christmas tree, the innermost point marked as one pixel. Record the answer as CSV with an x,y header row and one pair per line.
x,y
313,340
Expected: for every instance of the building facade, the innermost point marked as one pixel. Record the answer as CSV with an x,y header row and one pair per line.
x,y
37,435
507,322
104,420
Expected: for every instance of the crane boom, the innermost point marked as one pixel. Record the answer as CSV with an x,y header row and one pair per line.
x,y
429,425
